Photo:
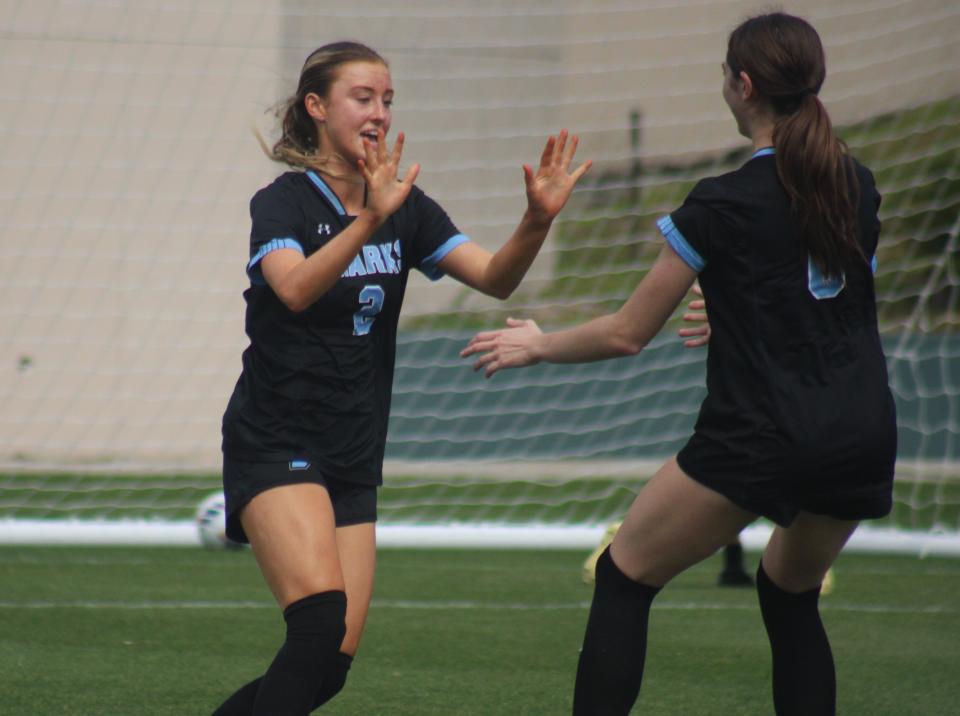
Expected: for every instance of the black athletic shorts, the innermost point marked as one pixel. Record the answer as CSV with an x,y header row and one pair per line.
x,y
780,497
353,503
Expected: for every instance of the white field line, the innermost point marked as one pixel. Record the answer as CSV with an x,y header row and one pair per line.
x,y
463,605
243,564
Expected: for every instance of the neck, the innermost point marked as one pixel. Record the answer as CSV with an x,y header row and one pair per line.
x,y
762,140
761,134
349,189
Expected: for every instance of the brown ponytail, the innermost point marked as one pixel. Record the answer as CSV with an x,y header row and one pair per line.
x,y
784,59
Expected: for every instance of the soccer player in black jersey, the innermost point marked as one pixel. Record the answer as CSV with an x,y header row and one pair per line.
x,y
799,422
304,432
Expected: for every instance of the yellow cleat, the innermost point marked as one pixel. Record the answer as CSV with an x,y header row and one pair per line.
x,y
827,585
590,565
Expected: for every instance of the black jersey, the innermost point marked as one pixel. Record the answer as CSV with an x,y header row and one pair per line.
x,y
316,385
796,377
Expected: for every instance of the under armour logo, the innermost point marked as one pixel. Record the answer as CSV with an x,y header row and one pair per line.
x,y
324,229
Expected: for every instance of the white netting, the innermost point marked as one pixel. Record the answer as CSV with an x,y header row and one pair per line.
x,y
127,162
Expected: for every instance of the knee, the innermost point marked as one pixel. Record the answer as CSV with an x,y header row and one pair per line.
x,y
775,600
790,578
316,626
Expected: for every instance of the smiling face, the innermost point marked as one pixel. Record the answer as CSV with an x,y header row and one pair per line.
x,y
357,105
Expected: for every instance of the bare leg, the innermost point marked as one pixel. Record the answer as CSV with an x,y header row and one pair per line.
x,y
797,557
356,546
291,530
673,523
357,549
788,584
292,533
348,564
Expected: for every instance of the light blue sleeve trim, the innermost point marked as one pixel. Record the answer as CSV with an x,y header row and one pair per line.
x,y
429,265
327,192
873,264
270,246
683,248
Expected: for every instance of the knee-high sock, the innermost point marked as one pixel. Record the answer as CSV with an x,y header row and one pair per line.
x,y
804,680
615,643
241,701
334,679
315,629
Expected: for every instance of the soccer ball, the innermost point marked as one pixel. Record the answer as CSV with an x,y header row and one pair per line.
x,y
211,521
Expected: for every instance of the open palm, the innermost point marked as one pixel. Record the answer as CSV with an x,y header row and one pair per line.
x,y
379,169
550,187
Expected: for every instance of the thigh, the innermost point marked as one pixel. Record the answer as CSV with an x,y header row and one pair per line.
x,y
357,548
673,523
797,557
291,530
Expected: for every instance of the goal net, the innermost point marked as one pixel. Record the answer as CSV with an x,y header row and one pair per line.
x,y
127,163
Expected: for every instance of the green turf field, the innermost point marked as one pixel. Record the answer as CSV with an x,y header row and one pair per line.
x,y
123,631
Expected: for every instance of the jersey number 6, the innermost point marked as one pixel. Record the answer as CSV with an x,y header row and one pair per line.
x,y
371,300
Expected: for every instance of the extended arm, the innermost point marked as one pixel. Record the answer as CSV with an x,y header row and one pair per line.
x,y
548,190
625,332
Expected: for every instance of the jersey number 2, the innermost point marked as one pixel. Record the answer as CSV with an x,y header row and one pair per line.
x,y
371,300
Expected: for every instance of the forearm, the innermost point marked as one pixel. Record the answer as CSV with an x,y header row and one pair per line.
x,y
510,263
300,285
632,326
598,339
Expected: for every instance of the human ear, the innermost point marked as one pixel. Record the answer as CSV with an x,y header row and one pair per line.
x,y
315,106
746,86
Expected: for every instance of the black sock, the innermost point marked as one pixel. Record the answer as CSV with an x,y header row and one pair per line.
x,y
333,679
315,630
242,700
733,557
615,643
804,680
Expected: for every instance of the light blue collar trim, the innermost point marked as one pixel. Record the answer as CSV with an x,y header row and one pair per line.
x,y
762,152
327,192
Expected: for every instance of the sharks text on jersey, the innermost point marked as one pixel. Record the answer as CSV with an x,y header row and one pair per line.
x,y
375,259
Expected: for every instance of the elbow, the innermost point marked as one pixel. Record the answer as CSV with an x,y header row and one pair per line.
x,y
625,339
296,306
494,289
295,301
629,346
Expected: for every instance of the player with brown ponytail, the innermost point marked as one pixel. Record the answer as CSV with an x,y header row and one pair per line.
x,y
798,425
784,61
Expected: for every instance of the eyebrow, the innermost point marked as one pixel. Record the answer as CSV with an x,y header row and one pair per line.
x,y
365,88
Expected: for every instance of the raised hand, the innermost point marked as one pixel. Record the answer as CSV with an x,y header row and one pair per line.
x,y
506,348
549,188
696,313
379,170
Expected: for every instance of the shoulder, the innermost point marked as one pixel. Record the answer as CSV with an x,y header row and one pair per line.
x,y
418,199
864,175
715,192
742,190
419,207
285,190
